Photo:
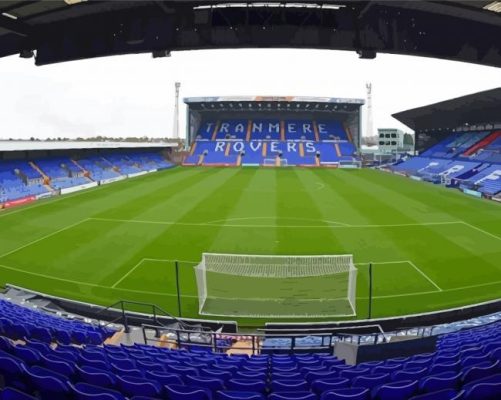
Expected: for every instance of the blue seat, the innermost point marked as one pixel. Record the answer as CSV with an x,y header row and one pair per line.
x,y
235,395
149,366
400,390
488,379
95,376
246,385
87,355
48,384
61,367
250,375
290,385
484,391
479,372
42,334
165,378
446,394
297,395
11,368
353,393
6,344
213,384
84,391
313,376
354,372
445,367
17,331
179,392
411,373
445,380
370,381
122,363
182,370
41,347
386,368
276,369
63,337
322,385
79,337
138,386
67,354
144,398
289,375
215,373
474,360
13,394
29,356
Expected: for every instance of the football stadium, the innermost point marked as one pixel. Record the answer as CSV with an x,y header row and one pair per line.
x,y
268,255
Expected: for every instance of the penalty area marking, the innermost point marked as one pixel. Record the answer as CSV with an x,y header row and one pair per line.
x,y
438,288
22,271
141,262
273,218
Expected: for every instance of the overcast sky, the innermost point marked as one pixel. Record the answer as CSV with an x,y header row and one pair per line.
x,y
134,95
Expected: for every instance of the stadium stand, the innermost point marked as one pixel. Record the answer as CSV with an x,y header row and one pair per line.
x,y
43,176
261,141
470,161
38,361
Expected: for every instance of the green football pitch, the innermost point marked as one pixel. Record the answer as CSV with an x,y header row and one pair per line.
x,y
432,248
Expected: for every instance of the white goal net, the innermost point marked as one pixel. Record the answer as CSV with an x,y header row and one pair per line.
x,y
236,285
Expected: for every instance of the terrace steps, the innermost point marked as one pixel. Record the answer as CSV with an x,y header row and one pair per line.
x,y
315,131
338,150
39,170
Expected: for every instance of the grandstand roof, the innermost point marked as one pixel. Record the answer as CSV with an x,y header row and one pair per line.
x,y
28,145
480,108
273,103
62,30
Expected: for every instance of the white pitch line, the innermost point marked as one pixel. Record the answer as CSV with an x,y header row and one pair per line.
x,y
274,218
138,221
426,276
128,273
481,230
44,237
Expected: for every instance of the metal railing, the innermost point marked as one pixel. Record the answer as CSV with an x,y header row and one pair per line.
x,y
124,315
254,343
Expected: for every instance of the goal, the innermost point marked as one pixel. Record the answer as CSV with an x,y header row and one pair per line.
x,y
237,285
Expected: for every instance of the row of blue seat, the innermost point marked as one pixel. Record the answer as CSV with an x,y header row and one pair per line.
x,y
18,322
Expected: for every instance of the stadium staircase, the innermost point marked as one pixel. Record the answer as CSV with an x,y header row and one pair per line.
x,y
42,174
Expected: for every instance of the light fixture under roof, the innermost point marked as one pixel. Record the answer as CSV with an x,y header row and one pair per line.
x,y
11,16
71,2
495,6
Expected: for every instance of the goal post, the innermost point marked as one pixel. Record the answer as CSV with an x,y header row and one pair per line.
x,y
267,286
